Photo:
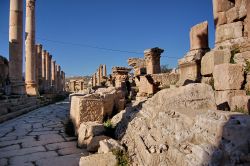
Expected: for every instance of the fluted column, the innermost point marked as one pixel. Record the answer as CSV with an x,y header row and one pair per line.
x,y
104,71
53,75
48,73
16,47
39,66
30,71
58,70
44,54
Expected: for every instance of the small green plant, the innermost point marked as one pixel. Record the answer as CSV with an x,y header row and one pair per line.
x,y
233,52
240,109
108,124
247,91
247,68
109,128
122,157
211,82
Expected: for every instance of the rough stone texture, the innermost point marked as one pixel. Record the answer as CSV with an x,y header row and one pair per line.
x,y
232,15
230,79
189,67
221,18
212,58
94,143
229,31
241,102
247,26
223,99
87,131
108,145
242,7
241,58
107,159
147,85
138,65
178,127
247,85
221,5
166,79
199,36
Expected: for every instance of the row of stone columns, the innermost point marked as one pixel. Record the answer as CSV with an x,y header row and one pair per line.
x,y
42,74
99,75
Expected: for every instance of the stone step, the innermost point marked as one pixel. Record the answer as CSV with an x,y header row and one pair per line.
x,y
17,113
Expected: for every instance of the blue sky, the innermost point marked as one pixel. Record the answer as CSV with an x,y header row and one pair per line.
x,y
67,28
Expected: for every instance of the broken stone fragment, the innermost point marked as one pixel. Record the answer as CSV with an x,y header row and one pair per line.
x,y
108,145
107,159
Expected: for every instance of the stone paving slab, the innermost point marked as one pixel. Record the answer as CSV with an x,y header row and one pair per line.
x,y
38,138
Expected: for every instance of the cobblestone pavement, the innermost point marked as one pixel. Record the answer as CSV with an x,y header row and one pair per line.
x,y
38,138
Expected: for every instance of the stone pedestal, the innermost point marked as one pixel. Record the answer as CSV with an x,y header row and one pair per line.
x,y
30,69
152,57
16,47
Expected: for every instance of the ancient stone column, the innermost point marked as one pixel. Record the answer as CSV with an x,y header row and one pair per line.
x,y
61,81
98,81
152,57
39,66
58,70
30,69
16,47
48,72
104,70
53,75
44,54
94,80
199,36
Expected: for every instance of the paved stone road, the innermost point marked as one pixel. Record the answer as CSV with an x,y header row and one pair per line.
x,y
38,138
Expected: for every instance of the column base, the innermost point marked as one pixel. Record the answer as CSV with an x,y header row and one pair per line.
x,y
31,89
18,88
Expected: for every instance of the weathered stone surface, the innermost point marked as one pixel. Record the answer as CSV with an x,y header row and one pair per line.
x,y
108,145
240,103
232,14
224,98
199,36
247,85
70,150
230,79
68,160
242,58
87,131
107,159
152,59
178,127
138,65
242,7
247,26
94,143
221,5
60,145
229,31
212,58
221,18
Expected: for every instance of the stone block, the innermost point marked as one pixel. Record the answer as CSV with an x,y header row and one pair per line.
x,y
223,99
108,145
232,14
240,103
107,159
87,131
247,22
220,19
229,31
213,58
242,7
94,143
247,85
241,58
222,5
228,77
199,36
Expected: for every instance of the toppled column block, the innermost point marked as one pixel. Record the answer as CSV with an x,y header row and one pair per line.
x,y
229,31
199,36
212,58
228,77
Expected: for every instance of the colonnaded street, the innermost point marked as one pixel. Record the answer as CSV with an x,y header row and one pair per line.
x,y
39,138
